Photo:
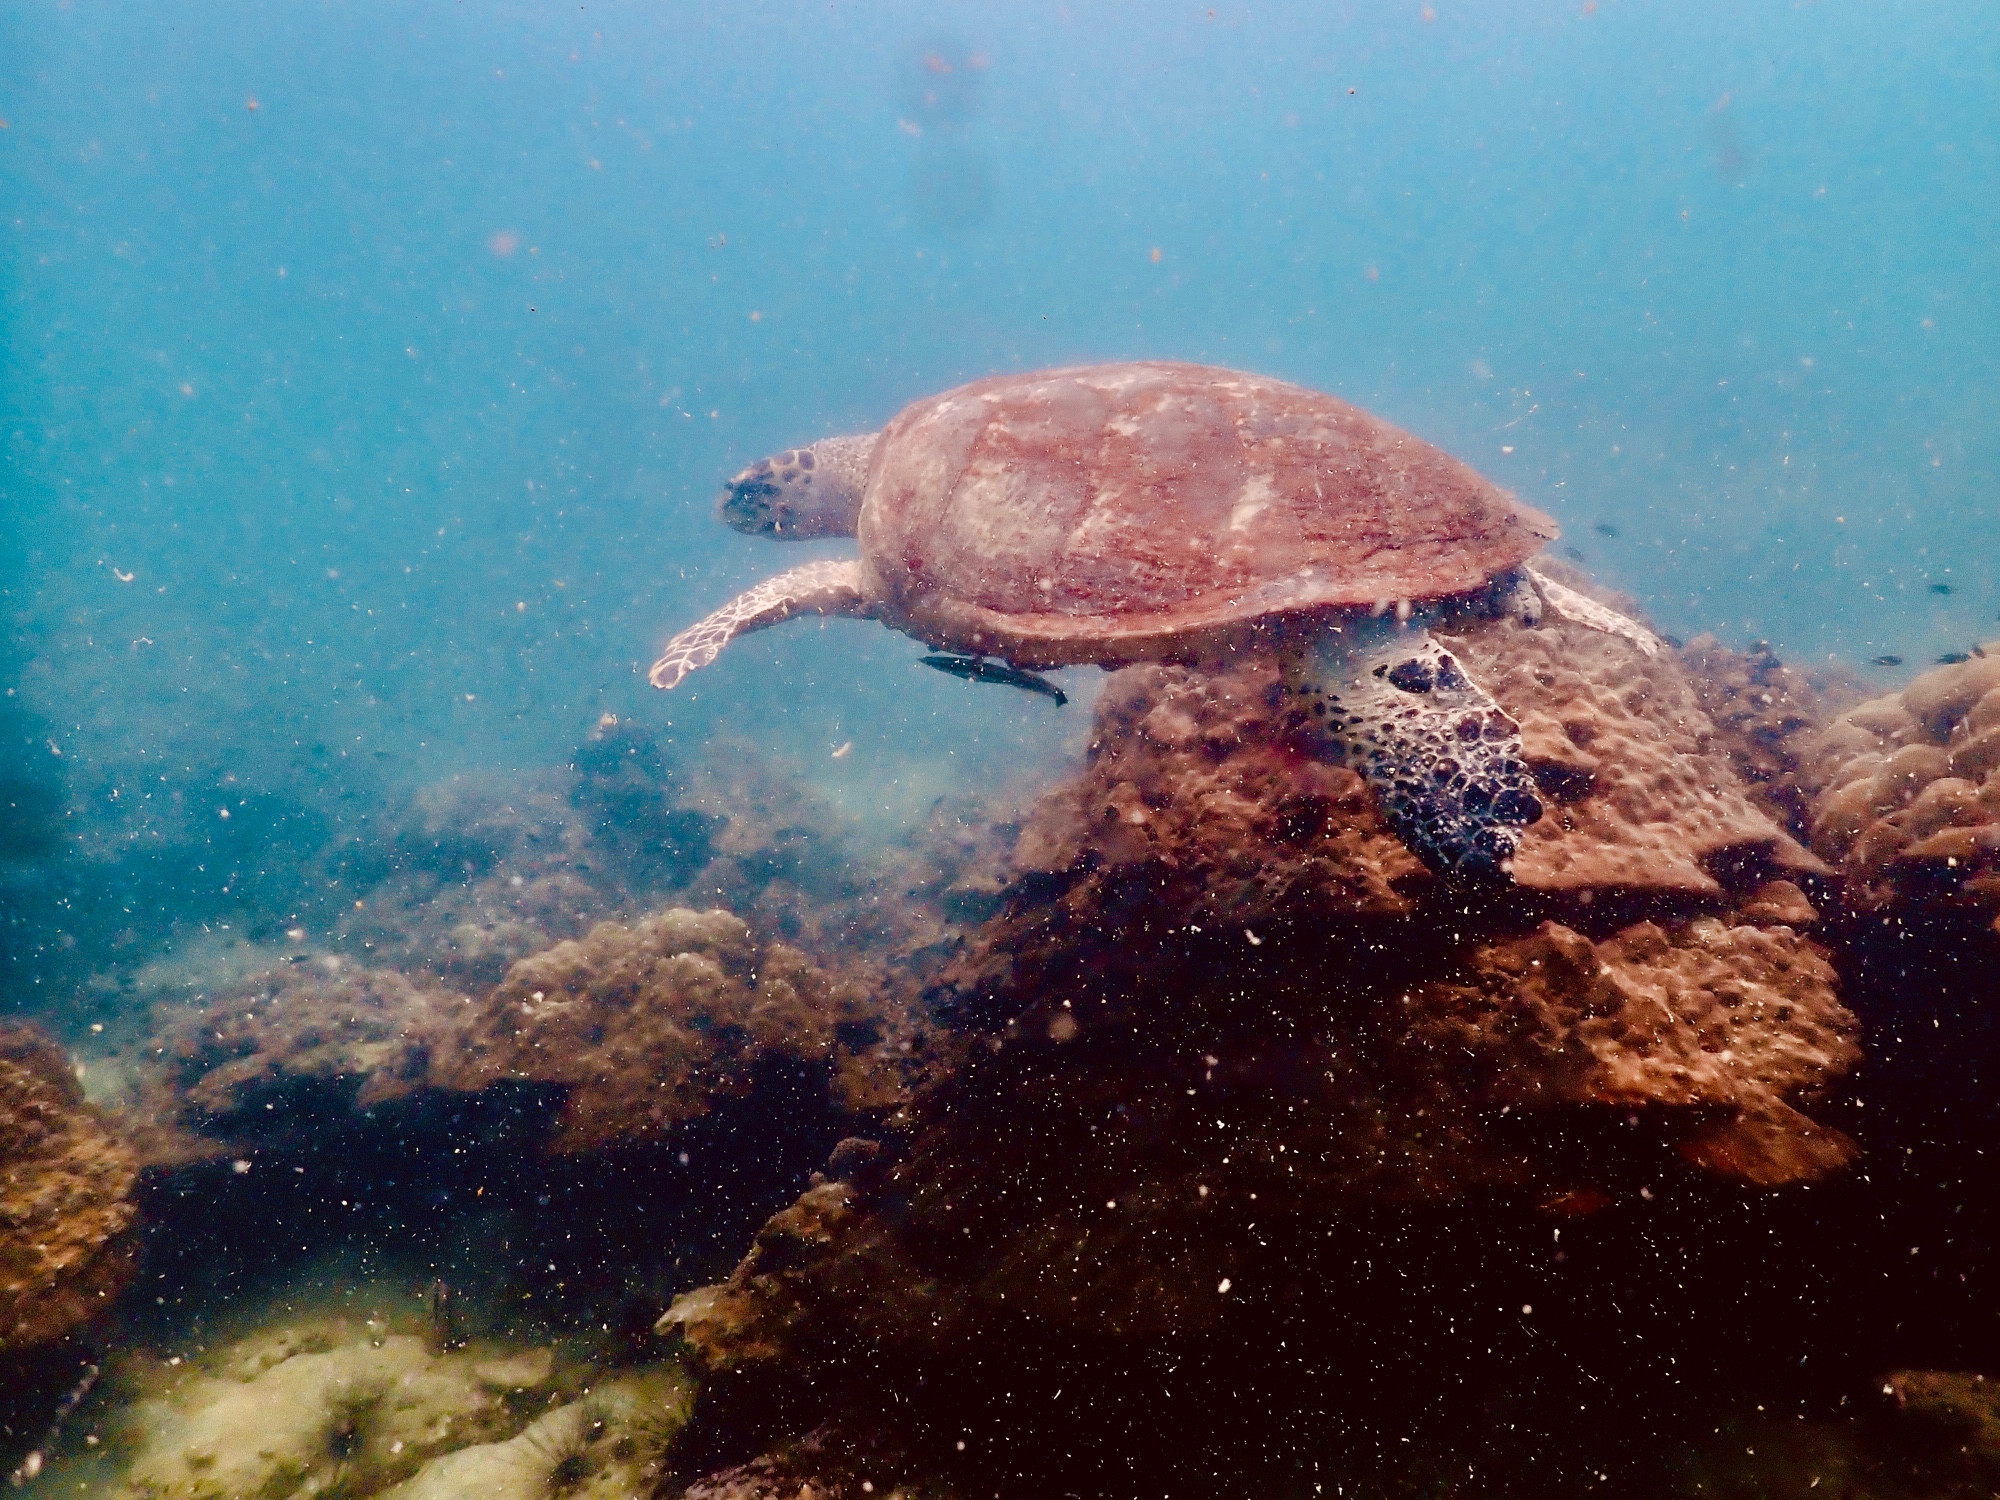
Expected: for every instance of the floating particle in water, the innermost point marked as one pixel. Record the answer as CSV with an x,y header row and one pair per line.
x,y
1941,588
1885,661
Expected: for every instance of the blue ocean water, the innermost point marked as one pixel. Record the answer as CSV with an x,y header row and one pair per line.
x,y
395,351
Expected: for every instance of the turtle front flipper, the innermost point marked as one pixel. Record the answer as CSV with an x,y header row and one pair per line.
x,y
820,588
1443,759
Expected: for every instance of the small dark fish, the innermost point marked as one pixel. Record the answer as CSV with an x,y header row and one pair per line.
x,y
1605,528
979,669
1953,658
1572,554
1885,661
1941,588
447,1332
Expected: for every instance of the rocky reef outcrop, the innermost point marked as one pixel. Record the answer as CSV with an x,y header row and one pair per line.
x,y
1232,1068
67,1243
629,1031
643,1027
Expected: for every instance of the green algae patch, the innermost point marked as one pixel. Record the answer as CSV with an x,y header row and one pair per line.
x,y
346,1412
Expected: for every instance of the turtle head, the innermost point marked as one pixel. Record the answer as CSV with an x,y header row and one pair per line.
x,y
802,492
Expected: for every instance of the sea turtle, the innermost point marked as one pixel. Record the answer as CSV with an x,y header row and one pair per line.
x,y
1174,512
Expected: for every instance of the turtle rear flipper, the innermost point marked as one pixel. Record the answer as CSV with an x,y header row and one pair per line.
x,y
1585,610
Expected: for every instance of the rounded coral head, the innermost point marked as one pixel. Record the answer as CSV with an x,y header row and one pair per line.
x,y
796,495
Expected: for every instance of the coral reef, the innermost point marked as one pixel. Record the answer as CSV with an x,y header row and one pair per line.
x,y
644,1027
270,1057
1226,1031
1906,796
66,1218
636,1030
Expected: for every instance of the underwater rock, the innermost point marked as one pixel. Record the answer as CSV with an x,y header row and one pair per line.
x,y
330,1407
645,1027
1907,796
1226,1029
636,1030
66,1219
608,1444
267,1061
822,1465
485,871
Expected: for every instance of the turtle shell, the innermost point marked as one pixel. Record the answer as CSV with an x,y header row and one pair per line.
x,y
1122,512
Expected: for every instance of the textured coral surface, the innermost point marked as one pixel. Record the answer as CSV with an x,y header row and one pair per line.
x,y
65,1183
645,1026
1907,794
1226,1034
636,1029
1644,798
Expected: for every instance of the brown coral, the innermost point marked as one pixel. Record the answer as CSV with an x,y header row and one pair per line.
x,y
1908,795
1645,799
1225,1022
644,1027
66,1219
1718,1024
638,1029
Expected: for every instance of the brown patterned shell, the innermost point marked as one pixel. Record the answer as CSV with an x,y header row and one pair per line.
x,y
1118,512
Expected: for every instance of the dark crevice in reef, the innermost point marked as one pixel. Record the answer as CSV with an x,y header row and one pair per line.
x,y
459,1189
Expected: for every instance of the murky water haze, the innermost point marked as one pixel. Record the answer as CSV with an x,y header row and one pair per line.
x,y
368,371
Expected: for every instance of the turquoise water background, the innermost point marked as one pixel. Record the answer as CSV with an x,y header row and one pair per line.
x,y
367,370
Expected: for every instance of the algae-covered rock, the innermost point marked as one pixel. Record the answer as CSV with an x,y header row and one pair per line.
x,y
634,1028
608,1445
646,1026
284,1416
356,1410
66,1216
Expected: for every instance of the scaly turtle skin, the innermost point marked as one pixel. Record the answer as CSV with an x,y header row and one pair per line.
x,y
1172,512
